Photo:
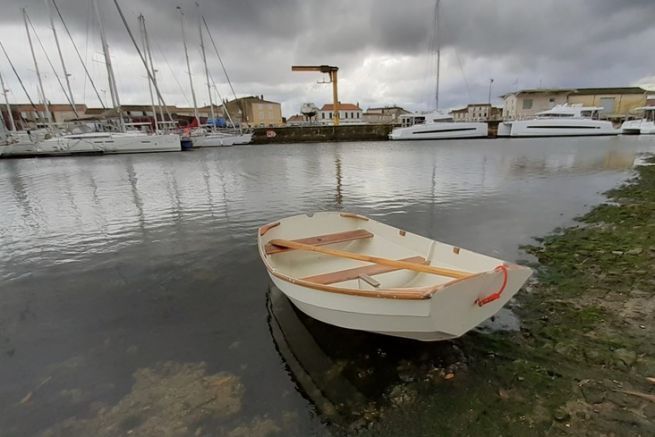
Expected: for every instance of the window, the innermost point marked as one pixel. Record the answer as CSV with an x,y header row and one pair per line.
x,y
352,115
527,103
358,114
330,114
323,115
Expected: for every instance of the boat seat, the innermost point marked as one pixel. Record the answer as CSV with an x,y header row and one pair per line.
x,y
321,240
348,274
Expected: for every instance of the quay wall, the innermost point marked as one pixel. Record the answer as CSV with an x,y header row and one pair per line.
x,y
320,134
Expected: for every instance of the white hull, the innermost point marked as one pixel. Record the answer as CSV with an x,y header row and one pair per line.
x,y
440,131
94,143
556,128
221,139
638,127
421,306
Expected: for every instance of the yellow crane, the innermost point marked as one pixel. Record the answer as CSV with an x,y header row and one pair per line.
x,y
332,72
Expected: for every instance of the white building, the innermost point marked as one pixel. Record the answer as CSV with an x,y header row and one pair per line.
x,y
349,113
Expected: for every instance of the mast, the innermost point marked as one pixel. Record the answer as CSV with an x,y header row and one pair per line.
x,y
110,71
148,53
204,60
20,81
211,39
436,94
36,67
61,58
79,56
186,54
142,23
143,59
9,114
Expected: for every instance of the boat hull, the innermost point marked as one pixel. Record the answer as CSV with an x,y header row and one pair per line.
x,y
218,140
556,128
86,144
440,131
440,308
638,127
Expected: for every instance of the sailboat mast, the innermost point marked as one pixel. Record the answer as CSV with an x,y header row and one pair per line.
x,y
186,55
113,92
142,23
36,67
148,54
204,60
436,94
61,58
9,114
79,56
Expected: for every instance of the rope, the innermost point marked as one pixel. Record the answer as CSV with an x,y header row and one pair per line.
x,y
495,296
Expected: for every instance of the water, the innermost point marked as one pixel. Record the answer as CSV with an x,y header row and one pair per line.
x,y
112,266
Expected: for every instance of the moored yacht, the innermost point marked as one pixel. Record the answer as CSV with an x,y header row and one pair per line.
x,y
435,126
643,126
559,121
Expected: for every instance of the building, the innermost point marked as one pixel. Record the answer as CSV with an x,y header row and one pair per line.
x,y
477,112
254,111
384,115
349,113
617,103
27,116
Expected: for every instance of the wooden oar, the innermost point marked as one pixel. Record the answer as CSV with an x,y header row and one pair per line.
x,y
372,259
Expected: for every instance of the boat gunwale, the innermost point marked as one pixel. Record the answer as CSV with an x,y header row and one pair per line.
x,y
412,293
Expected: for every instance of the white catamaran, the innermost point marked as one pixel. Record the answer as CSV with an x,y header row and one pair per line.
x,y
437,125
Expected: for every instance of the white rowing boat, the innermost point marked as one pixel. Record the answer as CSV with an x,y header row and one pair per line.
x,y
353,272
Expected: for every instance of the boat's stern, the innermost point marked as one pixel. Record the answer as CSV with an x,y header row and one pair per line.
x,y
462,305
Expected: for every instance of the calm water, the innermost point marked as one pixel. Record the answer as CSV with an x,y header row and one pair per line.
x,y
131,293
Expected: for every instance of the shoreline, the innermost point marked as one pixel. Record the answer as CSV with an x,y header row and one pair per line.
x,y
584,358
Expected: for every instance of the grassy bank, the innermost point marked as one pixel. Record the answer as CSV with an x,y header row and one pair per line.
x,y
583,362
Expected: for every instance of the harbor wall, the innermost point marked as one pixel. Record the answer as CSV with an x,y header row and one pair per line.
x,y
320,134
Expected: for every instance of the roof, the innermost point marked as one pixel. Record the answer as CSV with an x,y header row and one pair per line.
x,y
342,107
255,99
581,91
59,107
617,90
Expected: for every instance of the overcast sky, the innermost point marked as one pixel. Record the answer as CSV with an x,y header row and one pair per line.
x,y
384,48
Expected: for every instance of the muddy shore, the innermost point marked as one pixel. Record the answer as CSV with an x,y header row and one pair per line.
x,y
583,362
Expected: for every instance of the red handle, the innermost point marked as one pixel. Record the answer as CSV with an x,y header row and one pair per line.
x,y
495,296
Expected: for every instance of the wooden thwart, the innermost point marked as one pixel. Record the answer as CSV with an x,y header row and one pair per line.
x,y
320,240
371,270
372,259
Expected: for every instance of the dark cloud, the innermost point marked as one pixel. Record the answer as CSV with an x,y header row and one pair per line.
x,y
382,47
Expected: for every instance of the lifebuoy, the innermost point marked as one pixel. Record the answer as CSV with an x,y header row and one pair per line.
x,y
271,133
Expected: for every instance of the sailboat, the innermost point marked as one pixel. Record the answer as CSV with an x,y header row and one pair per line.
x,y
208,136
437,125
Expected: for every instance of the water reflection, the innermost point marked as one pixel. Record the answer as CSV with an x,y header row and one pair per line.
x,y
119,263
351,377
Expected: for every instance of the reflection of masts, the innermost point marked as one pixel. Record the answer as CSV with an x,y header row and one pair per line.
x,y
339,196
113,91
36,67
186,55
12,126
204,60
61,58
